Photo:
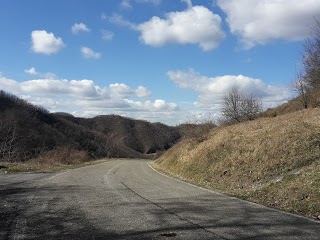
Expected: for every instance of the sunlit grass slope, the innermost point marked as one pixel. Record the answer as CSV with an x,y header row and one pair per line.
x,y
272,161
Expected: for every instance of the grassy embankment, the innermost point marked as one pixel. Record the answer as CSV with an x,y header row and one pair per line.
x,y
271,161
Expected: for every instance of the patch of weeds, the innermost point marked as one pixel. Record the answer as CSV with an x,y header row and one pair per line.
x,y
44,167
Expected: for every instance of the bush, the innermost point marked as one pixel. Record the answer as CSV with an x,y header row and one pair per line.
x,y
63,155
238,107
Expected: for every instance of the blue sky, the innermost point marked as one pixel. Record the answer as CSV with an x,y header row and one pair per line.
x,y
167,61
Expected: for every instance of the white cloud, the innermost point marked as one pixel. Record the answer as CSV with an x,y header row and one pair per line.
x,y
120,90
48,75
259,22
157,105
142,92
80,88
196,25
79,27
31,71
89,53
85,98
55,87
211,90
9,85
124,91
45,43
107,35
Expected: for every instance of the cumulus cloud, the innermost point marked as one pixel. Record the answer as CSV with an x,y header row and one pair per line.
x,y
85,98
142,92
31,71
45,43
211,89
81,88
124,91
79,27
9,85
89,53
157,105
196,25
259,22
120,90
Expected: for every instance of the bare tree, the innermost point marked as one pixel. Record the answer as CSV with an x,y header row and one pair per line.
x,y
8,138
109,143
250,106
303,89
237,107
231,105
311,57
307,82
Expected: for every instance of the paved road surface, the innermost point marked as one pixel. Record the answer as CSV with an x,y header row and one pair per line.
x,y
126,199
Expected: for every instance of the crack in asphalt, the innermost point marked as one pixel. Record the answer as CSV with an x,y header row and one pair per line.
x,y
172,213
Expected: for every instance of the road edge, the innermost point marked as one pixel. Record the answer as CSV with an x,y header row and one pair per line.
x,y
233,197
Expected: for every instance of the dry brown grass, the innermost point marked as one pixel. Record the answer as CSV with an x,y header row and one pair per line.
x,y
63,155
248,159
296,193
58,159
9,167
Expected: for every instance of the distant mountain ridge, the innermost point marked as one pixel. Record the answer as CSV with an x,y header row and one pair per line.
x,y
26,131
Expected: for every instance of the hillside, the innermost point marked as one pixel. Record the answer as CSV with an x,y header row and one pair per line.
x,y
272,161
28,131
292,105
127,137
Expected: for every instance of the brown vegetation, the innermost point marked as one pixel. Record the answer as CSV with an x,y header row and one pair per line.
x,y
28,132
238,107
262,160
288,107
197,132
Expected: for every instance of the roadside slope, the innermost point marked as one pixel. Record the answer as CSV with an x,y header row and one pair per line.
x,y
272,161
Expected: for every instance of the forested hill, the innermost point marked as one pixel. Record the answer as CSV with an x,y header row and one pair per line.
x,y
28,131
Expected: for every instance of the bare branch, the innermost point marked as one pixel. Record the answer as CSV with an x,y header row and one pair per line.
x,y
237,107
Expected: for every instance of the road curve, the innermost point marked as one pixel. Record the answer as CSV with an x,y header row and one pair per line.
x,y
127,199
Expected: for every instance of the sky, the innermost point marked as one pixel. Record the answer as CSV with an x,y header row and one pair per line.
x,y
168,61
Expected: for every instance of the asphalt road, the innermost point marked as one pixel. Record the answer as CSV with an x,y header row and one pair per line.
x,y
127,199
